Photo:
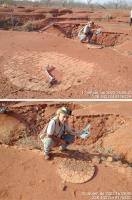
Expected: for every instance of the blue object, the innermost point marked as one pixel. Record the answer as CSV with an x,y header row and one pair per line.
x,y
68,138
86,132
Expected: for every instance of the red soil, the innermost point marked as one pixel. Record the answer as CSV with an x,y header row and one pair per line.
x,y
26,175
109,69
34,178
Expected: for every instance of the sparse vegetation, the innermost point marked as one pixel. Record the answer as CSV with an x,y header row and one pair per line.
x,y
108,17
9,22
28,26
116,4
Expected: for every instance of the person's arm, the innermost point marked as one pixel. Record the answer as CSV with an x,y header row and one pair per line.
x,y
70,130
51,128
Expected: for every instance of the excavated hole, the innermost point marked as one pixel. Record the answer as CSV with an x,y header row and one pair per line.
x,y
22,125
36,23
28,19
101,125
105,38
34,118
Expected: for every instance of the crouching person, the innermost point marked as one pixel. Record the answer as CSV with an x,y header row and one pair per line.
x,y
58,132
86,33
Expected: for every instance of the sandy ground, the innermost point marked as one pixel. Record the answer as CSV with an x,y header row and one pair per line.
x,y
82,72
122,108
26,175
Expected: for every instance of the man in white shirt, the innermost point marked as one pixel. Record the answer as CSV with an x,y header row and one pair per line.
x,y
58,132
131,18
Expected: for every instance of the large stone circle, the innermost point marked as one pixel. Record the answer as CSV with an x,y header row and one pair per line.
x,y
26,70
75,171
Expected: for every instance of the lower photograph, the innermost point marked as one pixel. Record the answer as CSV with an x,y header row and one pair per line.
x,y
65,150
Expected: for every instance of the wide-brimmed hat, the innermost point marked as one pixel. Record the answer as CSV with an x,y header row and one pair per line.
x,y
64,111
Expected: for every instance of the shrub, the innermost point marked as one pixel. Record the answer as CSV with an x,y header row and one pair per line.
x,y
108,17
28,26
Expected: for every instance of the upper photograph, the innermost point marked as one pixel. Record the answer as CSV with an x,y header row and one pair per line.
x,y
66,49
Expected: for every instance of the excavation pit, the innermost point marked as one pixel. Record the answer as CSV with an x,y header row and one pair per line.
x,y
68,29
71,31
101,126
35,117
25,121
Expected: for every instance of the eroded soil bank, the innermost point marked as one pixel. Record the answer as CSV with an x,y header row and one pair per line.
x,y
23,168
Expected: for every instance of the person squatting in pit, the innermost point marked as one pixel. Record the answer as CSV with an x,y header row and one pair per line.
x,y
86,33
57,132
